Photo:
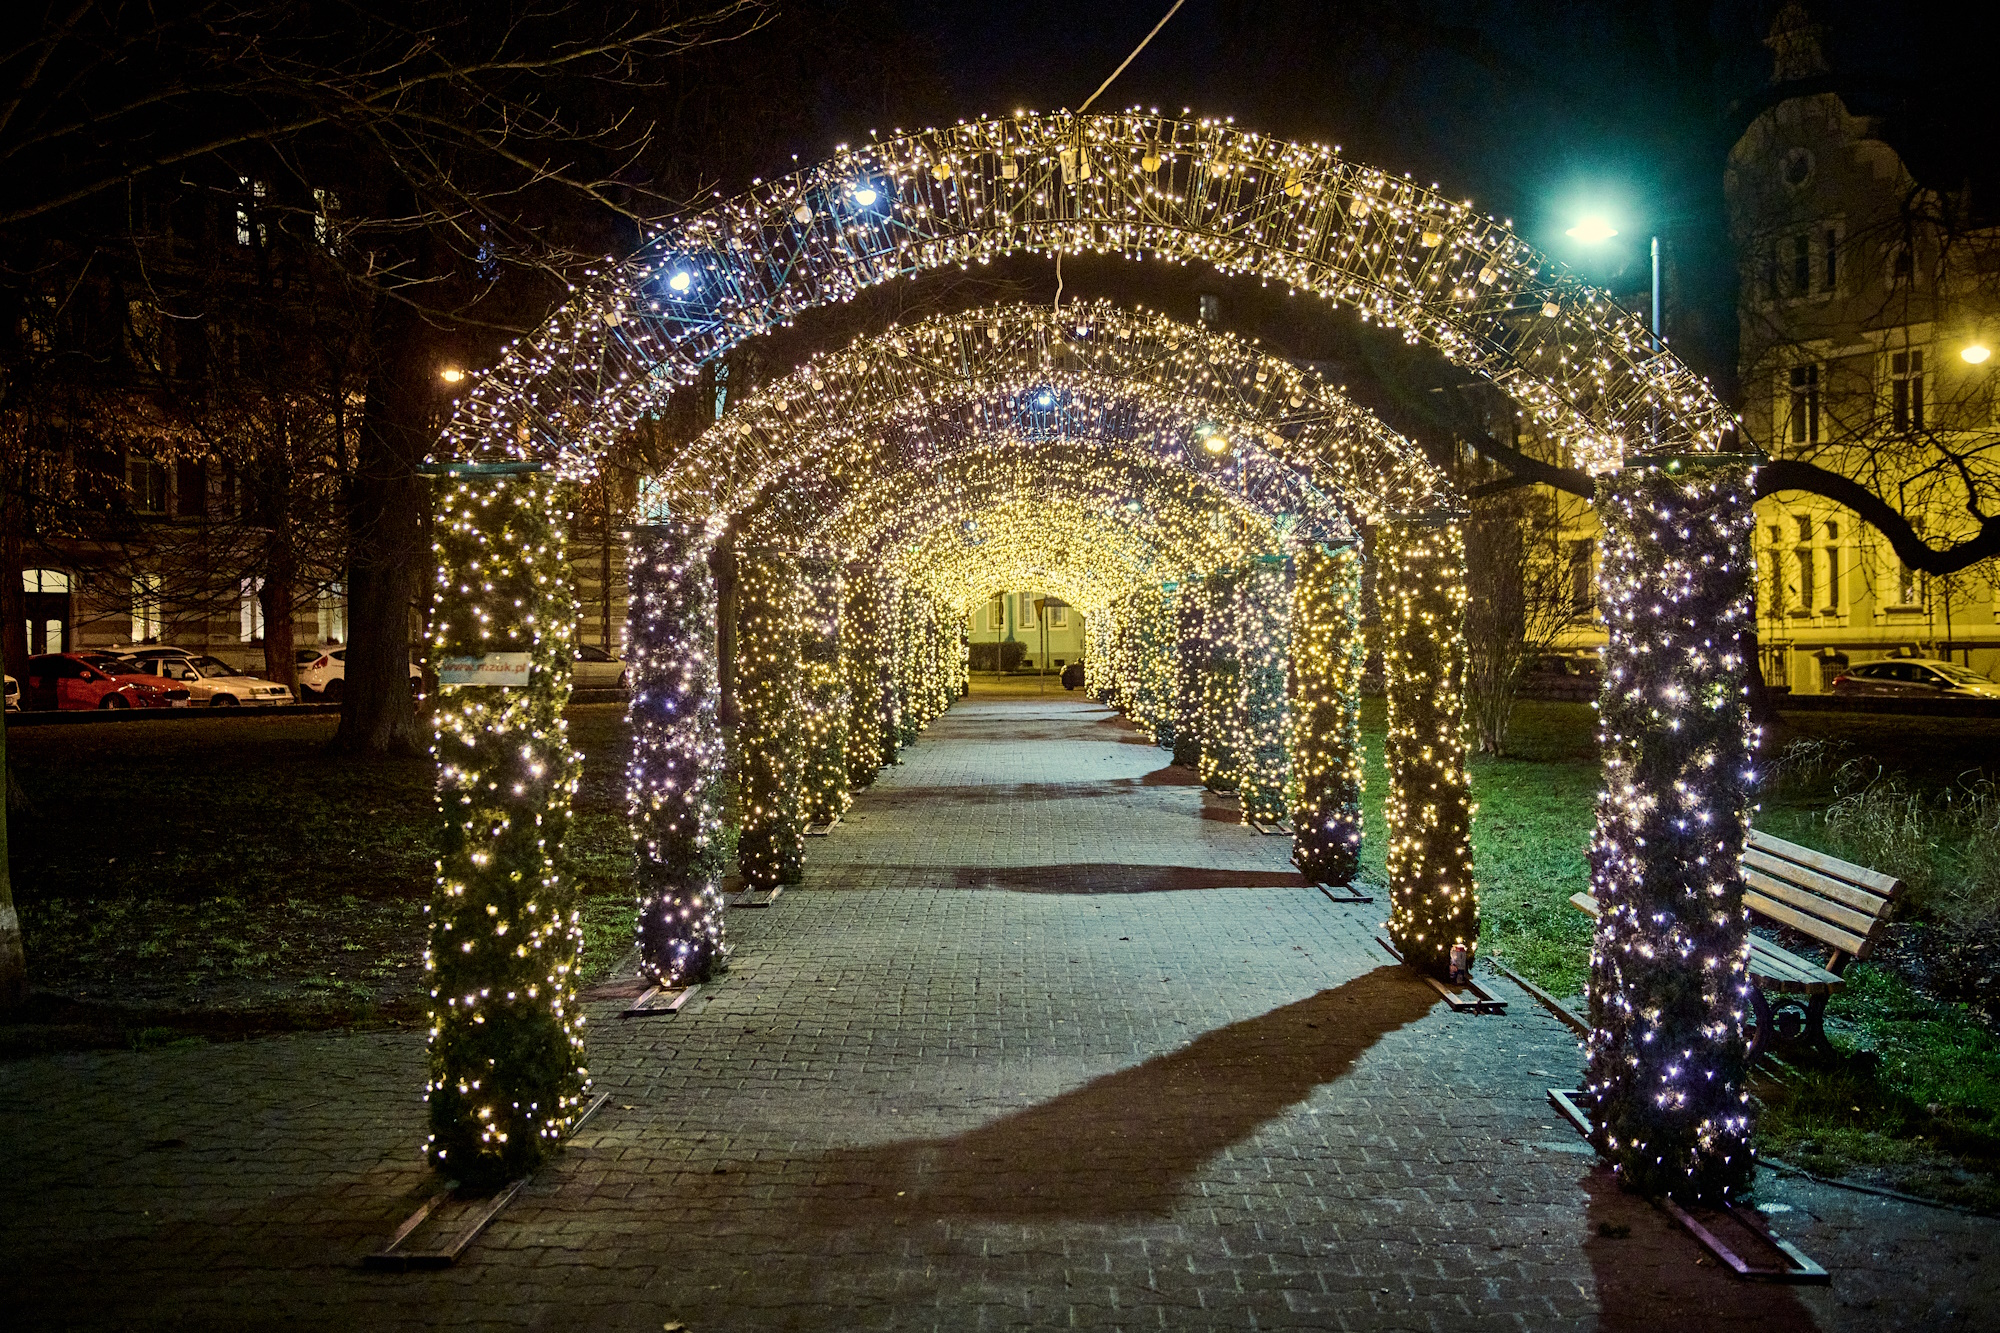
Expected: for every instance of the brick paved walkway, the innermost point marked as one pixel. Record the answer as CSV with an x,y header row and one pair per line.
x,y
1046,1040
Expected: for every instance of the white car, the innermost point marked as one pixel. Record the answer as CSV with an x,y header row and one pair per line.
x,y
211,681
323,671
596,669
13,695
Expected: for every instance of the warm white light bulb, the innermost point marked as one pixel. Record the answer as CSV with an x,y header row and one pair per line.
x,y
864,195
1975,354
681,281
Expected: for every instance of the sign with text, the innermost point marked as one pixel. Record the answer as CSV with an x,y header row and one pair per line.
x,y
488,669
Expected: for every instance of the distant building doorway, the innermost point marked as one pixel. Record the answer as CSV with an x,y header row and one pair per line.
x,y
46,594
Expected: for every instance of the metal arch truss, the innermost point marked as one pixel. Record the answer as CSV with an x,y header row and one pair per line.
x,y
900,402
1201,191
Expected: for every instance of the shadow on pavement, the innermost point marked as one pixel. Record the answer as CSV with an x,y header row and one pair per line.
x,y
1091,877
1126,1144
1653,1275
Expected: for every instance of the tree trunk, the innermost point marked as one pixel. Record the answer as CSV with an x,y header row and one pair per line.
x,y
13,603
388,553
280,597
13,960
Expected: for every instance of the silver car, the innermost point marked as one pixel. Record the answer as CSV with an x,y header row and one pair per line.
x,y
596,669
1914,677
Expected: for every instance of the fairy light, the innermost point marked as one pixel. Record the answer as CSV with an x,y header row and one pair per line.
x,y
1263,597
675,770
1221,679
1190,666
1431,268
1434,903
825,706
1669,982
506,1071
770,842
1328,656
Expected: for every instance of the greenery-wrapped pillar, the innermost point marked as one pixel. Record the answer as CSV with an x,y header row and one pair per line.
x,y
1328,656
1434,903
823,693
1263,618
1190,666
674,774
506,1076
861,663
909,646
770,845
1221,697
1668,981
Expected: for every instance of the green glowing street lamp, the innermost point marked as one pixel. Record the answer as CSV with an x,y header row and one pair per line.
x,y
1596,229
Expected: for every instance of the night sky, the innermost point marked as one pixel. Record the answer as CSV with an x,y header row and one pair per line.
x,y
1534,109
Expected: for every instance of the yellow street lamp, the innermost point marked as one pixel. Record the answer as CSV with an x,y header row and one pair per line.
x,y
451,374
1975,353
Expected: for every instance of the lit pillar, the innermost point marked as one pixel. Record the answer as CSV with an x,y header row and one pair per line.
x,y
823,687
1190,668
1668,980
1328,656
673,778
909,646
770,846
1263,618
1220,695
1434,903
1153,661
506,1074
861,662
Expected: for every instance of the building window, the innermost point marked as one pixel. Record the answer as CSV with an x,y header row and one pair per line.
x,y
146,600
1582,589
1802,424
1832,271
1906,390
1801,265
996,613
1027,610
1803,553
1058,615
146,485
248,229
44,581
1908,594
250,610
325,204
333,614
1833,602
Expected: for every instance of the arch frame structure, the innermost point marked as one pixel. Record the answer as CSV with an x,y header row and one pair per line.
x,y
1199,192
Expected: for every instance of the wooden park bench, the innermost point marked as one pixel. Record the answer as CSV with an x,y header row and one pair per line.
x,y
1842,905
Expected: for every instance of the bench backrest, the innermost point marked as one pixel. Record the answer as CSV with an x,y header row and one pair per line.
x,y
1842,905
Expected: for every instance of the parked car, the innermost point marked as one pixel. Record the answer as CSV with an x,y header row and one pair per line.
x,y
13,695
596,669
66,681
1572,676
1072,676
210,680
131,671
323,672
1914,677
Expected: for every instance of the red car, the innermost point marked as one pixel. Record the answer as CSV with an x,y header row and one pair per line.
x,y
96,680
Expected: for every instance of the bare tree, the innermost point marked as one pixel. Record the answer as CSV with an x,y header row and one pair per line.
x,y
1529,579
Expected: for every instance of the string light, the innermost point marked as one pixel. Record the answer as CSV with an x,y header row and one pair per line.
x,y
1669,980
1263,597
506,1073
674,775
1403,256
1421,593
1221,692
771,834
1328,656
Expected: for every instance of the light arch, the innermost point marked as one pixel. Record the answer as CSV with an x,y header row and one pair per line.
x,y
1199,191
1676,570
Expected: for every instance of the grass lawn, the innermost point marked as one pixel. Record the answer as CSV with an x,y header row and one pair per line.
x,y
162,892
